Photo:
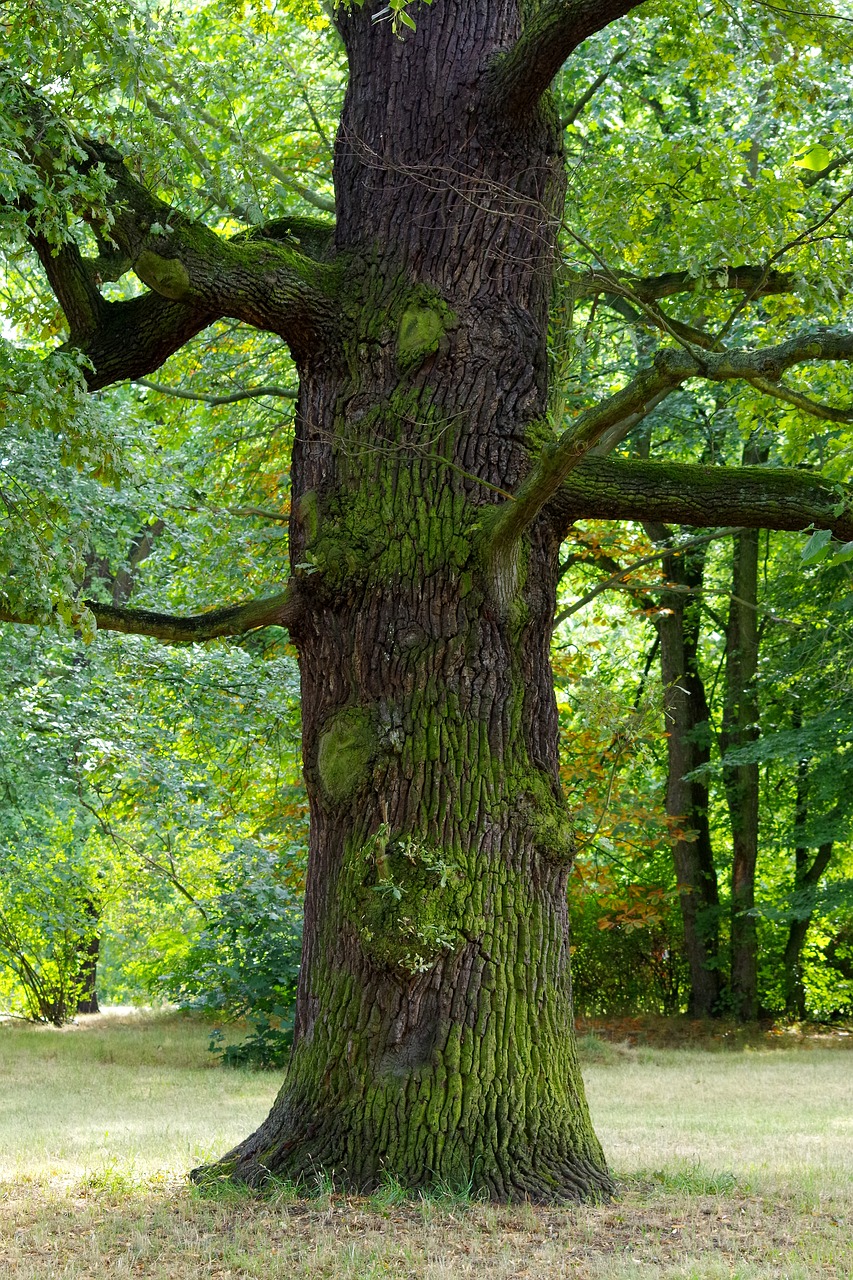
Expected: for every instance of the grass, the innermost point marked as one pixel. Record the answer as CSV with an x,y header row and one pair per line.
x,y
731,1164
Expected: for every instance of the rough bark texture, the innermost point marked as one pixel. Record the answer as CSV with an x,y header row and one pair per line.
x,y
433,1033
740,727
688,748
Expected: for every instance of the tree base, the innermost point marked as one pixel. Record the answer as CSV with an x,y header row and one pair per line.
x,y
317,1154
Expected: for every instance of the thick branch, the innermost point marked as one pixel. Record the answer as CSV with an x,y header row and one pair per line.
x,y
121,339
73,284
254,393
671,368
263,282
756,281
313,237
682,493
280,610
523,75
136,336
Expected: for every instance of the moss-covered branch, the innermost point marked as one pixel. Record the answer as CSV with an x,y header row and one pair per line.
x,y
681,493
196,276
280,610
266,283
550,35
757,281
671,368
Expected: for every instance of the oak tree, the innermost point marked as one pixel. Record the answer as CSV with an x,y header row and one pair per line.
x,y
438,462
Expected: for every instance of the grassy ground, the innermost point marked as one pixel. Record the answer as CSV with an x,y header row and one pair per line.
x,y
731,1164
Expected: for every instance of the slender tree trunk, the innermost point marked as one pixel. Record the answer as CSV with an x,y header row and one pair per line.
x,y
87,975
806,879
688,748
740,727
433,1030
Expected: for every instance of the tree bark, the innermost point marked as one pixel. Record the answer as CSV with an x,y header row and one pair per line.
x,y
433,1035
806,879
688,749
87,976
740,727
433,1028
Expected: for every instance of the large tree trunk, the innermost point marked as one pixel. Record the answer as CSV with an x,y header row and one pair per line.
x,y
688,749
433,1031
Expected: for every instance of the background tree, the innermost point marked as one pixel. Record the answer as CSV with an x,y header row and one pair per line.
x,y
433,477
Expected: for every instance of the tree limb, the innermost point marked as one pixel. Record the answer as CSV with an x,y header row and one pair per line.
x,y
253,393
124,339
689,494
618,578
587,96
671,368
263,282
136,336
758,282
220,197
524,74
323,203
780,392
280,610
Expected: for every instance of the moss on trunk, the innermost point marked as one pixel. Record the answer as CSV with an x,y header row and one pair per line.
x,y
433,1037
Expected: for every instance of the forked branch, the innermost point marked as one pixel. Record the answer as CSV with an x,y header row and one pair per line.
x,y
671,368
195,276
523,75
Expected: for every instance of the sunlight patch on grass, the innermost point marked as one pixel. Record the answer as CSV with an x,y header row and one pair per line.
x,y
775,1119
141,1092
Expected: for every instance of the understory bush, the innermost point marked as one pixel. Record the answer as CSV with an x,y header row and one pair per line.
x,y
244,962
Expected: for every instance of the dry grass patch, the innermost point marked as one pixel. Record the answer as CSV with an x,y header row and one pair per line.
x,y
177,1233
733,1165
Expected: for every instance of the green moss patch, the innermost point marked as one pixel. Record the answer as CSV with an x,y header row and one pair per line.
x,y
423,324
347,748
404,898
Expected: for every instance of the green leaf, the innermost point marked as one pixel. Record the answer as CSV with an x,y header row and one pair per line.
x,y
816,158
843,554
817,546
